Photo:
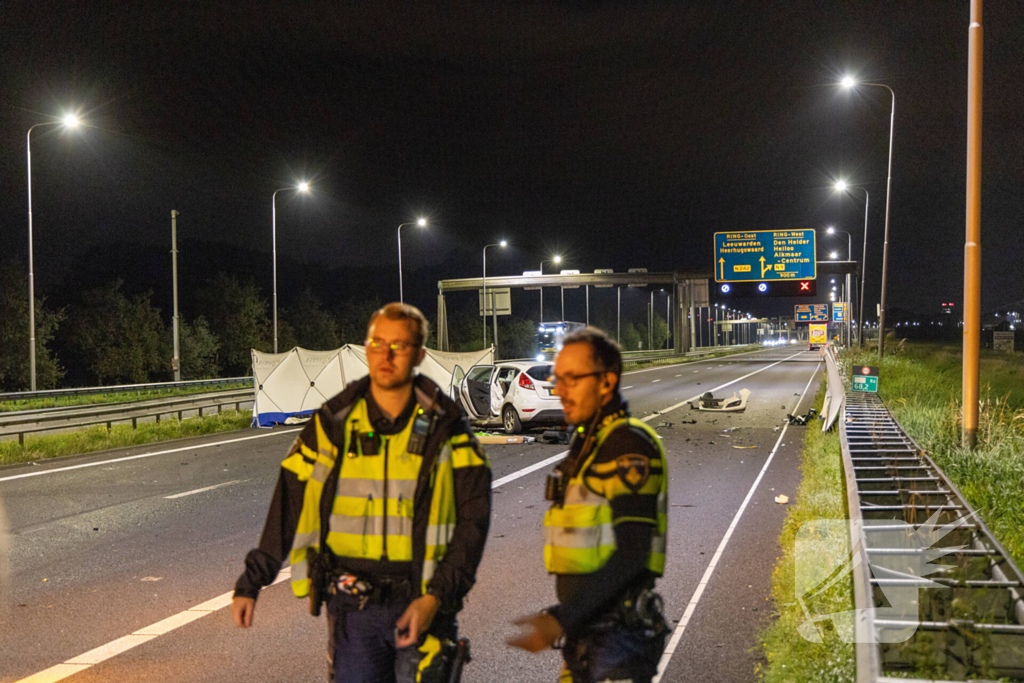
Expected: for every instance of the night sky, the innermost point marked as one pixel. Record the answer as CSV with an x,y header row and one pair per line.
x,y
618,134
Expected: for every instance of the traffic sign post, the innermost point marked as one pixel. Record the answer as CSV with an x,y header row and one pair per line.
x,y
765,256
810,313
865,378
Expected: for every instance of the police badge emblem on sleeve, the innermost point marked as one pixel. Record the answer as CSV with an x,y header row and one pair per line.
x,y
634,470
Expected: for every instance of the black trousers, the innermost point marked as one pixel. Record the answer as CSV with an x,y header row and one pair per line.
x,y
361,646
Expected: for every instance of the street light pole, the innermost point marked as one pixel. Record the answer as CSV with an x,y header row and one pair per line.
x,y
618,314
301,187
69,121
501,244
420,222
650,323
849,82
972,239
841,186
556,260
176,360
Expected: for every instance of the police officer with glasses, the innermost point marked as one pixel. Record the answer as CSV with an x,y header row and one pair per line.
x,y
604,534
382,506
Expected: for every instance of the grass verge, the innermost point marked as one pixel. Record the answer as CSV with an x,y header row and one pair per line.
x,y
921,383
99,439
820,547
113,397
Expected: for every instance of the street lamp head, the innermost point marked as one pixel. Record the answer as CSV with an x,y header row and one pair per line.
x,y
70,121
503,244
833,255
831,230
847,82
421,222
303,186
841,186
557,259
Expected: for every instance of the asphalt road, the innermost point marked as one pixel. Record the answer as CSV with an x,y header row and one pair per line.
x,y
148,541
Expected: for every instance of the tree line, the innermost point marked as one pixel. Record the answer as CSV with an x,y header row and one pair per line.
x,y
109,335
113,336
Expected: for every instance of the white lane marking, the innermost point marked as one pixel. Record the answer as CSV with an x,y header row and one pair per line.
x,y
629,387
526,470
204,489
677,635
147,455
655,380
143,635
681,374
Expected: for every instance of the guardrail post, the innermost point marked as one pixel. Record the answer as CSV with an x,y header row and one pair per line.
x,y
21,439
135,423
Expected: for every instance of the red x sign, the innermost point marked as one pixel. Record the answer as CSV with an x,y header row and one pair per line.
x,y
805,286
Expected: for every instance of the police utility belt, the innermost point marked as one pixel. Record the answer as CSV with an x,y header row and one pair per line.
x,y
641,610
326,572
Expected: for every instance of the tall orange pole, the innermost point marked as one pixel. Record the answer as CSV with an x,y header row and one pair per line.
x,y
972,242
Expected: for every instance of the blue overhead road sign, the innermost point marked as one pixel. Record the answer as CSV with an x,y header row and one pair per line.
x,y
810,313
765,255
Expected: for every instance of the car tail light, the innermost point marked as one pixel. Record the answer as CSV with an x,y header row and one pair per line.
x,y
524,381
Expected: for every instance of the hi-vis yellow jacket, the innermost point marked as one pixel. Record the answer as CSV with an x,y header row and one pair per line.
x,y
579,534
430,510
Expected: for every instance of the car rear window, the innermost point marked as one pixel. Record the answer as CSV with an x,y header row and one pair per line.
x,y
540,372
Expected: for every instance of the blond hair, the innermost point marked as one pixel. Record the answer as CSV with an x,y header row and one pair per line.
x,y
399,311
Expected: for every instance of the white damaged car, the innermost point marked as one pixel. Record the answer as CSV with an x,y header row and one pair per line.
x,y
513,395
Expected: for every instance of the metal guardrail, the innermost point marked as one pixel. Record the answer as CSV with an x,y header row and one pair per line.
x,y
968,620
85,416
121,388
636,357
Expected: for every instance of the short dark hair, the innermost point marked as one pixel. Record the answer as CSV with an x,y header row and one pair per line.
x,y
606,353
410,314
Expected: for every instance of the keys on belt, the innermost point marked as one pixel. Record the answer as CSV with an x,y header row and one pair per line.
x,y
350,584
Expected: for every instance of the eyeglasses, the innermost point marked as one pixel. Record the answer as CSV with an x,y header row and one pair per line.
x,y
569,381
399,348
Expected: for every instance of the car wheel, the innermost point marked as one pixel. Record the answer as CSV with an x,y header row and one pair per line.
x,y
510,419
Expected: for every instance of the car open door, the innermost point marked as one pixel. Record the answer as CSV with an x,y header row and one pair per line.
x,y
476,391
501,382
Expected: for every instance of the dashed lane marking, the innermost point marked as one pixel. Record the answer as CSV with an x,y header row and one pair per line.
x,y
205,488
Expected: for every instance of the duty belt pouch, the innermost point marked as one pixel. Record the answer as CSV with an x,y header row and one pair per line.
x,y
320,562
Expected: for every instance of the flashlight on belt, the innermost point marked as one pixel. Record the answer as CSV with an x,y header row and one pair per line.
x,y
554,487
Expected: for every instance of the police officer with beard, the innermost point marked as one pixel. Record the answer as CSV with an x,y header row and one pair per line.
x,y
604,535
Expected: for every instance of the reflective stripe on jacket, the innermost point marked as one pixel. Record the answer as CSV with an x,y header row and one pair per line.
x,y
579,536
373,514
